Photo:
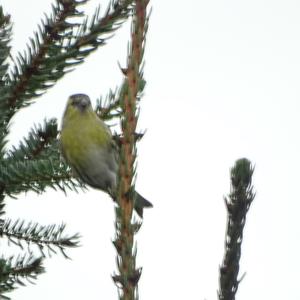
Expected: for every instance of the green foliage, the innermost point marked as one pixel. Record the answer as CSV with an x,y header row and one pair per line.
x,y
109,107
48,237
40,143
5,36
36,164
14,271
63,40
237,204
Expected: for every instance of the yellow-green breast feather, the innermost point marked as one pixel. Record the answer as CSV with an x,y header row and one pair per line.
x,y
82,130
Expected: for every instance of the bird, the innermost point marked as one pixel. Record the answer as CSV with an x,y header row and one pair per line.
x,y
88,147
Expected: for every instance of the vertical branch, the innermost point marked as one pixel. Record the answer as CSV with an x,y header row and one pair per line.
x,y
5,37
126,227
237,204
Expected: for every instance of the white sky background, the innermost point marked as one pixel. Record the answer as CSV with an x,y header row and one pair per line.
x,y
223,83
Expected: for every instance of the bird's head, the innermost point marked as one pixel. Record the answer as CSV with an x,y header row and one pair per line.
x,y
78,106
80,102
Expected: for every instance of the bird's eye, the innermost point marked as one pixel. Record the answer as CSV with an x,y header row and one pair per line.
x,y
74,102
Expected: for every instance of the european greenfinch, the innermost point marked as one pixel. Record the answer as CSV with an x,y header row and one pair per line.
x,y
88,147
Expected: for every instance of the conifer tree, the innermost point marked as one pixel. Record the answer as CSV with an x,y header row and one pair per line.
x,y
57,47
35,164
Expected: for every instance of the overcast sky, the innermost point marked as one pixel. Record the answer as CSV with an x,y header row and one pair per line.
x,y
223,83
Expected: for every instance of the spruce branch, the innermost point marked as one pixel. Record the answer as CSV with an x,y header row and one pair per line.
x,y
5,37
89,36
36,175
108,107
126,227
2,204
48,237
36,163
237,204
40,143
14,271
39,67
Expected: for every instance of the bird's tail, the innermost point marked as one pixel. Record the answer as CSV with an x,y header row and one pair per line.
x,y
140,204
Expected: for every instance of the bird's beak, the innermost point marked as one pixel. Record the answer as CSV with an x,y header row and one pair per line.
x,y
84,103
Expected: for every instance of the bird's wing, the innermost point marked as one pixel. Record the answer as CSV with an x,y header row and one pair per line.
x,y
103,125
113,157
